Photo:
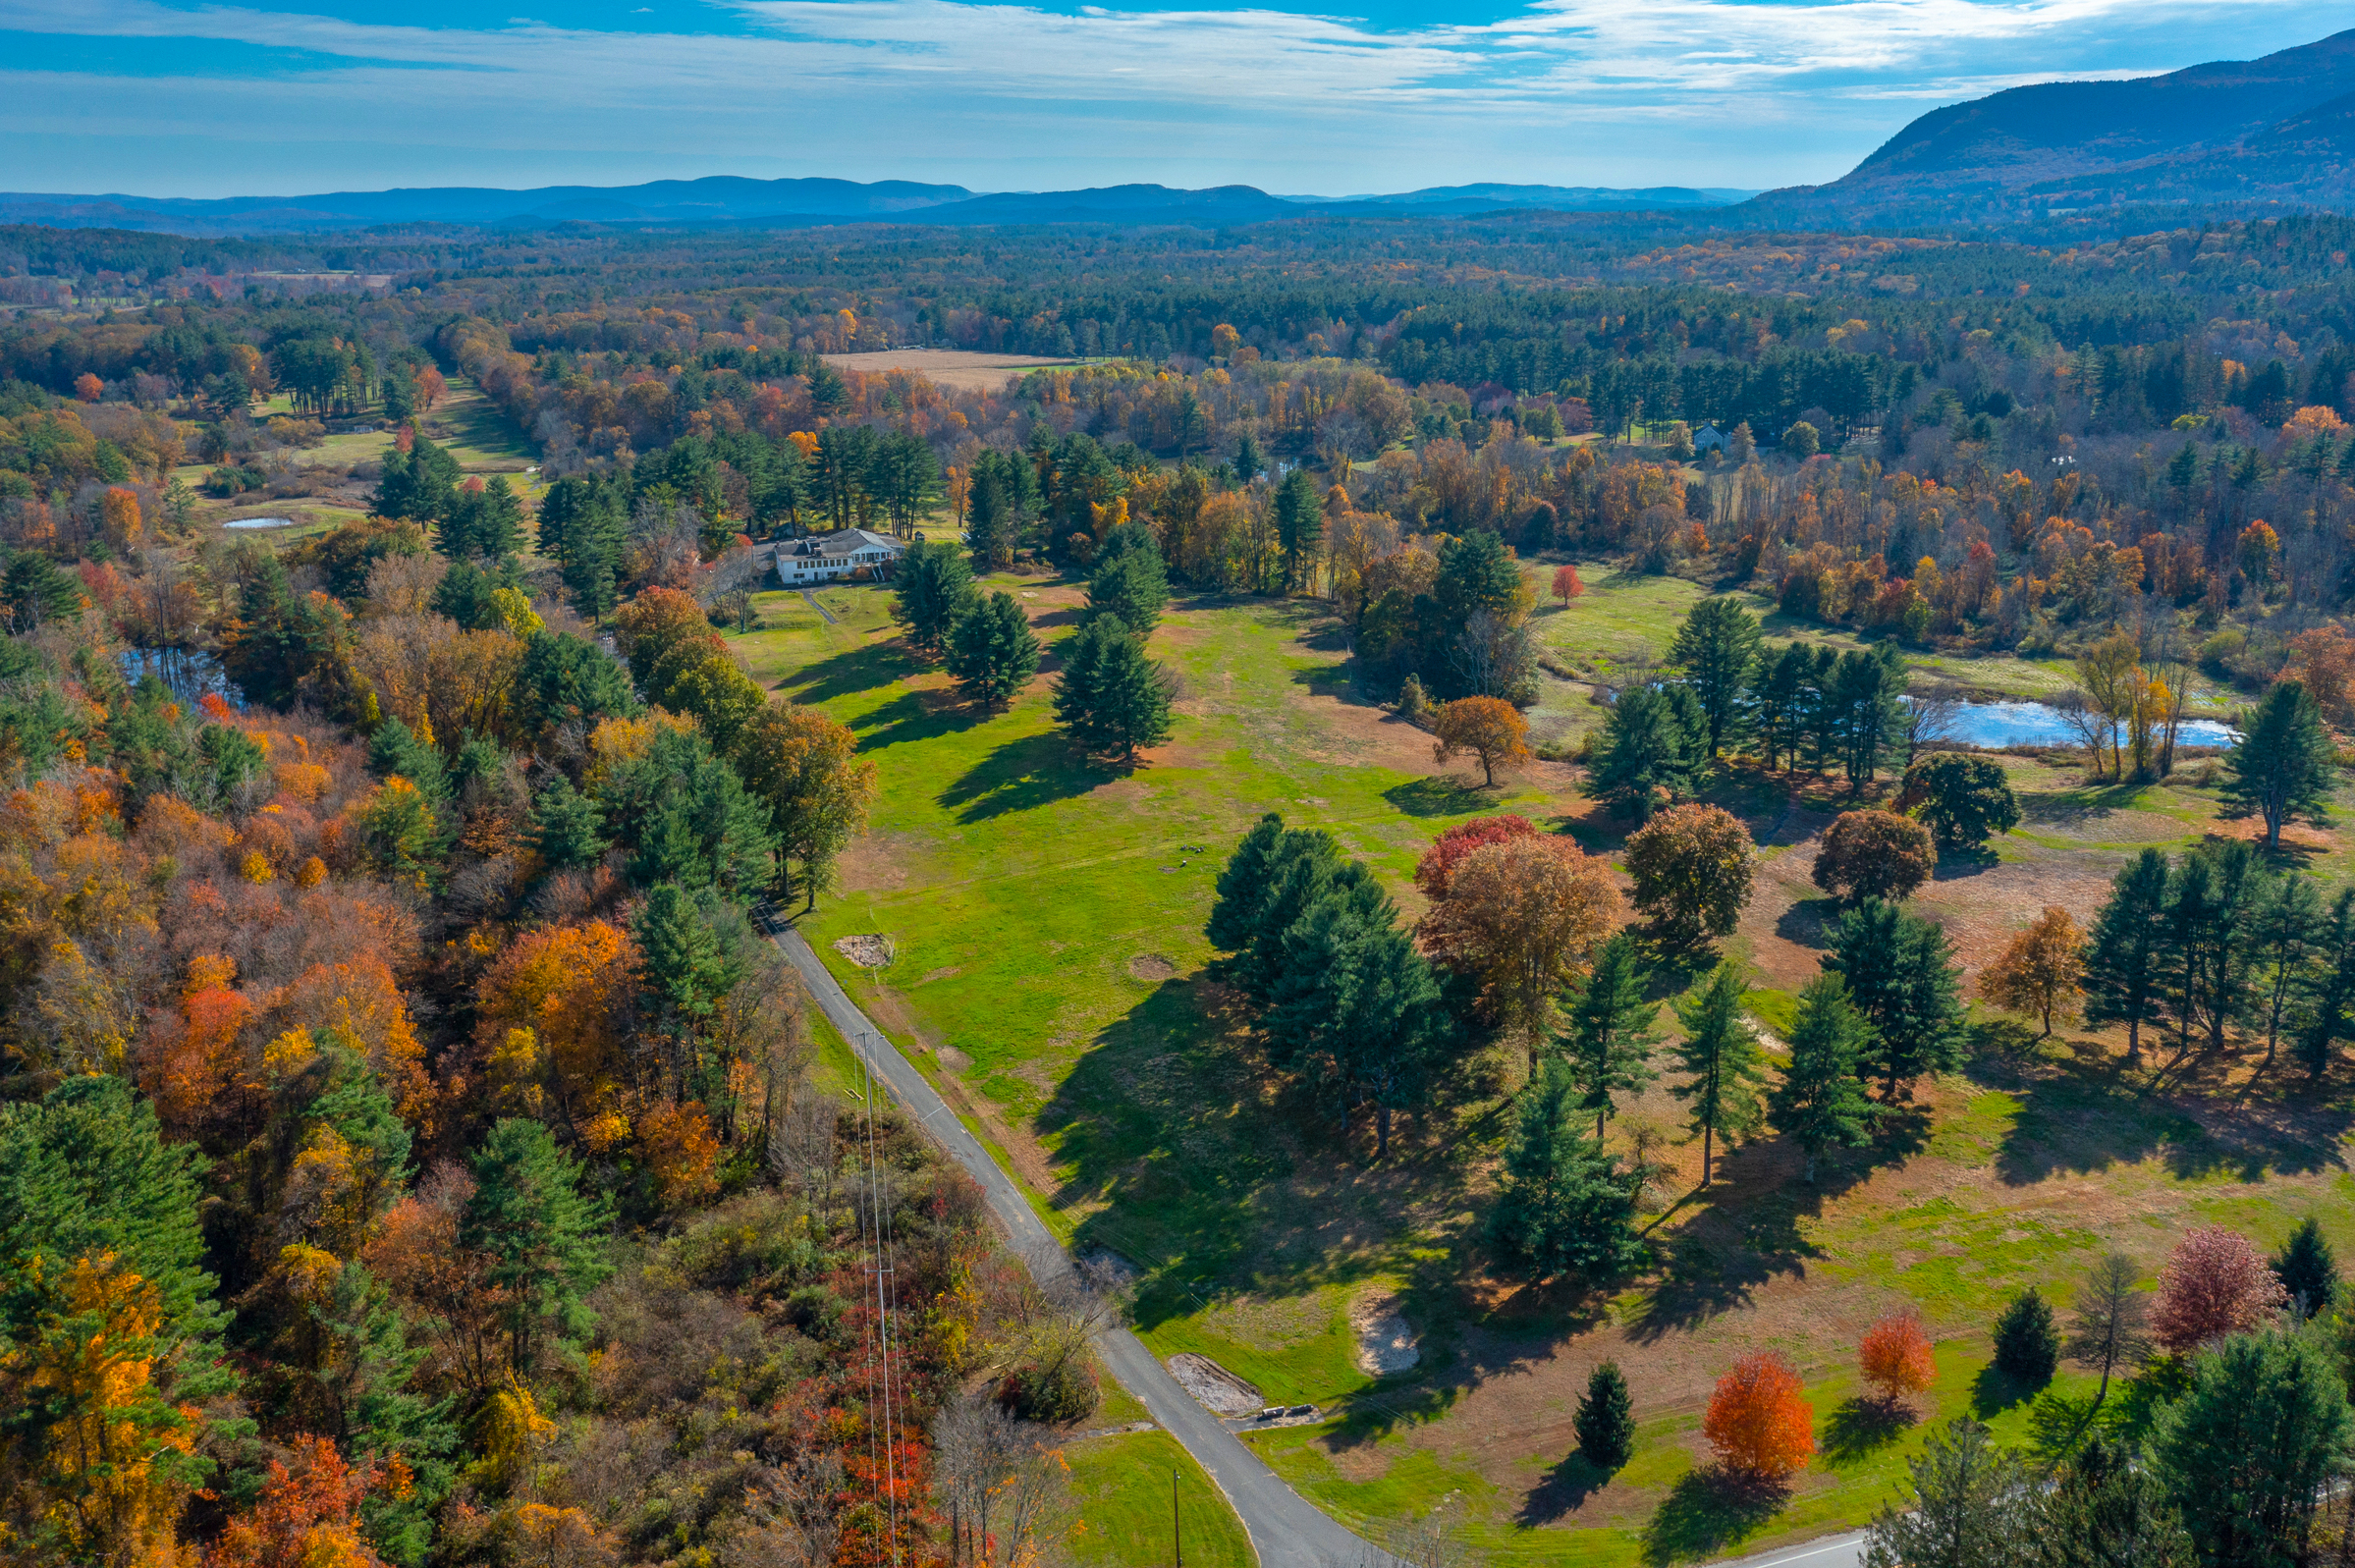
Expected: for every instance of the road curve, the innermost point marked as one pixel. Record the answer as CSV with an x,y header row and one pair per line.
x,y
1831,1551
1285,1529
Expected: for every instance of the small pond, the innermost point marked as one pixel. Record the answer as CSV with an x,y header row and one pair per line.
x,y
2037,723
261,522
189,674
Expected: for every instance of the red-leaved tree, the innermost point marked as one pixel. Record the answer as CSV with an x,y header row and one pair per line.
x,y
1567,585
307,1516
2215,1284
1756,1423
1437,868
1894,1356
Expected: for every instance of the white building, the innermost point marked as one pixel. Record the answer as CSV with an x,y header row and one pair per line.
x,y
800,563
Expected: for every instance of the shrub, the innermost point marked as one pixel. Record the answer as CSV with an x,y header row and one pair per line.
x,y
1875,854
1059,1392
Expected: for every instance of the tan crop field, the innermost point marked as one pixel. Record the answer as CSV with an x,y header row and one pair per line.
x,y
960,368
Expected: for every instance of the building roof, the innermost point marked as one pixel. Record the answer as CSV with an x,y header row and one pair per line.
x,y
841,543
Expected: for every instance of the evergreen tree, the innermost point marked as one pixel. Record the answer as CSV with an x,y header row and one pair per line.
x,y
2284,927
686,817
468,595
683,963
2108,1510
1819,1105
2205,963
567,827
1306,862
361,1374
989,522
1131,586
1110,696
1606,1034
1780,700
38,592
1606,1420
2327,1000
1718,648
1563,1206
1243,885
992,651
2283,766
540,1236
2027,1341
1970,1506
1902,978
567,680
1654,747
2250,1450
1863,698
2307,1268
111,1332
935,583
1299,528
1721,1056
2124,952
395,749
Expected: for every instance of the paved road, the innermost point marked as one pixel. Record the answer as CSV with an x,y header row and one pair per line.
x,y
1287,1530
1832,1551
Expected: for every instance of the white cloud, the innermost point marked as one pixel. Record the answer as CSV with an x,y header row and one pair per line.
x,y
1580,90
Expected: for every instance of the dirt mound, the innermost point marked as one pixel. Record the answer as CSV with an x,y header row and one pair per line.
x,y
1221,1391
870,951
1386,1341
1152,966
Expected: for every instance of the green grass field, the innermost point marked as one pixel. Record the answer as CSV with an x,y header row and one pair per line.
x,y
1124,1487
1048,914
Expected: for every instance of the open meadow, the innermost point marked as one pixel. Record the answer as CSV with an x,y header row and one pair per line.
x,y
1049,975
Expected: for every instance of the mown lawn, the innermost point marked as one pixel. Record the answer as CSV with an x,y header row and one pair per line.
x,y
1123,1488
1050,977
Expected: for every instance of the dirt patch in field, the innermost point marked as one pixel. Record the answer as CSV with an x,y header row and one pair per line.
x,y
1152,968
1220,1391
1386,1341
941,974
947,367
868,951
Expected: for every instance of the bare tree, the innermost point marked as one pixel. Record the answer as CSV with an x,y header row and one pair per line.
x,y
2095,729
2107,1329
1933,719
1006,1490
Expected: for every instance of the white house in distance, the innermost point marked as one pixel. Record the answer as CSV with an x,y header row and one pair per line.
x,y
800,563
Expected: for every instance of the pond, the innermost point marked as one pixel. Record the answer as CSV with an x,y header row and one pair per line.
x,y
261,522
2037,723
189,674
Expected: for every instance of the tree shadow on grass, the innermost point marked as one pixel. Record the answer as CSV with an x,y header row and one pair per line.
x,y
2077,1117
1996,1391
1442,796
915,716
1707,1513
1863,1425
845,674
1021,775
1564,1490
1955,864
1808,921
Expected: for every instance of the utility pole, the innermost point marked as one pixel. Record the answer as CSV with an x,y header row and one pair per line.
x,y
1177,1541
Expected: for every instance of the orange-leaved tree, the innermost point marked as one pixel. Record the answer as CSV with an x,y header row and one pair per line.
x,y
2042,971
1567,585
307,1515
1523,914
1894,1356
1489,727
1758,1423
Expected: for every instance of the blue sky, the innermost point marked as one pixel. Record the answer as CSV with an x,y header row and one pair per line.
x,y
285,96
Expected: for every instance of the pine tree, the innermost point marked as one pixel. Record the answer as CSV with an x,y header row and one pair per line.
x,y
1606,1034
2327,997
540,1236
2123,951
1563,1206
1819,1105
935,583
1606,1420
2286,923
1902,978
2283,766
1308,861
1651,753
567,827
1720,1054
2307,1268
1969,1507
682,962
1110,696
1243,885
1299,528
989,522
2109,1510
1780,694
1718,648
992,651
2251,1449
1129,581
2027,1341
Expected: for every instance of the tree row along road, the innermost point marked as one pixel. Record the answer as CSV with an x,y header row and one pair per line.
x,y
1285,1529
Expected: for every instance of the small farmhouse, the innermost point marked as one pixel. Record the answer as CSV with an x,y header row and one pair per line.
x,y
1709,438
803,561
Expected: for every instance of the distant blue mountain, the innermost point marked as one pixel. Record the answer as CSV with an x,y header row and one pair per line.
x,y
724,200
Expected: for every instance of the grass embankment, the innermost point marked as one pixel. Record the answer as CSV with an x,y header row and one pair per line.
x,y
1048,915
